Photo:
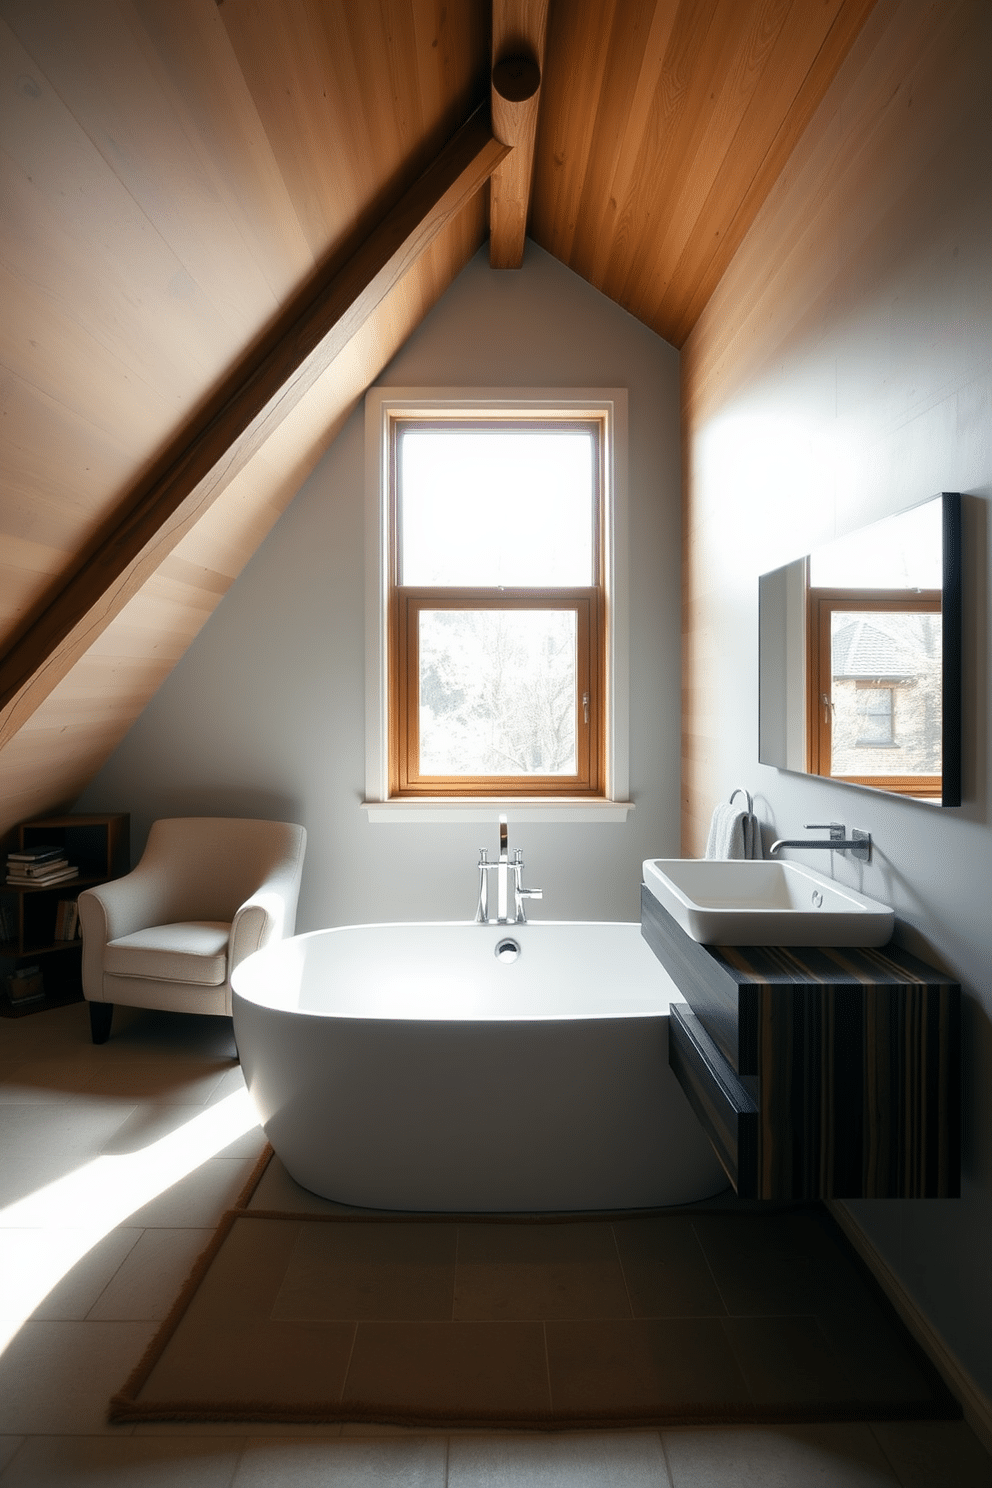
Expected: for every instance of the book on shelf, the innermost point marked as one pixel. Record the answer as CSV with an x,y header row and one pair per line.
x,y
36,870
8,920
44,852
66,919
42,880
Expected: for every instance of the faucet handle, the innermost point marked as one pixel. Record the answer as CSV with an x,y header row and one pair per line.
x,y
836,829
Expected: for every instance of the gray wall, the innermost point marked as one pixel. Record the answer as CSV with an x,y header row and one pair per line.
x,y
264,716
843,371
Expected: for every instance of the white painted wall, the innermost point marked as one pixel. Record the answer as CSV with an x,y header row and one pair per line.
x,y
265,715
845,369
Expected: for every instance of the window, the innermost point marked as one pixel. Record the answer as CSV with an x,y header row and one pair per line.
x,y
875,716
496,642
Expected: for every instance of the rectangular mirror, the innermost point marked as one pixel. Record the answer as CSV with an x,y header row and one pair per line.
x,y
859,657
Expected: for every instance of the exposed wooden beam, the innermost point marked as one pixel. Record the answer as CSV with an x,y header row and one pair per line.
x,y
252,403
519,31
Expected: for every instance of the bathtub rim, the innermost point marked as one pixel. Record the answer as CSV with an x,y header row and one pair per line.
x,y
272,952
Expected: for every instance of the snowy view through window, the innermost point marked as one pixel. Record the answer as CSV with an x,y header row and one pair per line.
x,y
492,510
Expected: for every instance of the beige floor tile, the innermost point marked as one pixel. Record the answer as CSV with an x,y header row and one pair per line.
x,y
152,1120
179,1080
42,1143
231,1082
411,1463
666,1272
150,1032
357,1270
304,1364
777,1263
123,1462
151,1275
470,1368
32,1081
246,1273
879,1360
149,1122
558,1460
8,1446
642,1365
76,1293
934,1454
540,1244
786,1359
539,1271
568,1289
843,1456
57,1378
65,1027
198,1200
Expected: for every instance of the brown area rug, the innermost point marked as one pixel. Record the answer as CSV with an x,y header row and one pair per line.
x,y
670,1318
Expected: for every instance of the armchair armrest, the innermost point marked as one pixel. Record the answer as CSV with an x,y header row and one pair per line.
x,y
269,914
111,910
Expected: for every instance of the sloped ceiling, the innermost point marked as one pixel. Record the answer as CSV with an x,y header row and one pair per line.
x,y
175,172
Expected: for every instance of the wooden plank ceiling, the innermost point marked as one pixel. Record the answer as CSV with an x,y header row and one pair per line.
x,y
176,173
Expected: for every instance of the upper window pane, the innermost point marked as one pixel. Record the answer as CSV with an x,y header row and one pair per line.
x,y
510,507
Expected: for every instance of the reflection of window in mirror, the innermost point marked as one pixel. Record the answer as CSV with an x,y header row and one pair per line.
x,y
875,715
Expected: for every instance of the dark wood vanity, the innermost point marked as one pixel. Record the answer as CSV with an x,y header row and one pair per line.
x,y
817,1073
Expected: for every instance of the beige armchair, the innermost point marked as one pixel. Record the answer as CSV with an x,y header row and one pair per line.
x,y
207,892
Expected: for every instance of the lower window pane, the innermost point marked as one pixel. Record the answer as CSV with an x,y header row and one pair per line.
x,y
497,692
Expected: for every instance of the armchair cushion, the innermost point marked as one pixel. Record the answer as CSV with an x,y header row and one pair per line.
x,y
193,951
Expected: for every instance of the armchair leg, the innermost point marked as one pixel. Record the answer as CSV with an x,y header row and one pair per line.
x,y
101,1016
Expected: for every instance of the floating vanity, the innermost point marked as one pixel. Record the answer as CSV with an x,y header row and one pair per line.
x,y
816,1071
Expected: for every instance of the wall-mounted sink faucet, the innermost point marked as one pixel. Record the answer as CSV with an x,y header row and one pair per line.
x,y
505,866
858,844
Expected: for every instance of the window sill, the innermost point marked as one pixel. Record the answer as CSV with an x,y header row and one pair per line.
x,y
515,808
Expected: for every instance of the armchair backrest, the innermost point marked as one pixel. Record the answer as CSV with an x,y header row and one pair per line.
x,y
207,866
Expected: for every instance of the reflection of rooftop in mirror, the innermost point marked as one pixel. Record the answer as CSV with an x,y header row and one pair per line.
x,y
491,508
900,552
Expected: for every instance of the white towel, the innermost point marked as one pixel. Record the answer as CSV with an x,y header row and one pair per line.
x,y
734,833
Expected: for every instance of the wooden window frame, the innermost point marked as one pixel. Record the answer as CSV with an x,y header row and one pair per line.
x,y
820,606
404,603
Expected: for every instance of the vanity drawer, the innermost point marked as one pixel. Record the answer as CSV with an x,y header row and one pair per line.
x,y
724,1107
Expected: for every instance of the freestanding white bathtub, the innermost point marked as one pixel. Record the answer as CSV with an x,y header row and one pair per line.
x,y
408,1067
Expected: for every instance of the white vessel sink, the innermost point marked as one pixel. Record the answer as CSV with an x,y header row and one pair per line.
x,y
764,903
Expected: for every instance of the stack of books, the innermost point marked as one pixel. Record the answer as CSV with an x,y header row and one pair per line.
x,y
25,985
39,867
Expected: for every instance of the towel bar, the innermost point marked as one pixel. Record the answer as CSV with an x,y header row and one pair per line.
x,y
740,791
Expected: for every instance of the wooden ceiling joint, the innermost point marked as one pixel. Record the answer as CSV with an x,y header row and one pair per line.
x,y
519,34
256,398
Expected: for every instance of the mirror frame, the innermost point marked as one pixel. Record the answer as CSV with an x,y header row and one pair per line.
x,y
951,665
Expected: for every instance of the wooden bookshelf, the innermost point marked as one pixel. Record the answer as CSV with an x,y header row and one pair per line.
x,y
99,845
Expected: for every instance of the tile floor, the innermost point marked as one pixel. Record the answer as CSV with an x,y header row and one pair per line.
x,y
116,1163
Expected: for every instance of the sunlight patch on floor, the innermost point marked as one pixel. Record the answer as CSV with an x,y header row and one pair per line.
x,y
45,1234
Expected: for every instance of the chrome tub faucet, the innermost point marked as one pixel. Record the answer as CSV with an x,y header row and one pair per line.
x,y
858,844
505,866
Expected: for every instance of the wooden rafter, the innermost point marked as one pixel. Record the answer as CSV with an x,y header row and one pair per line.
x,y
519,32
254,401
